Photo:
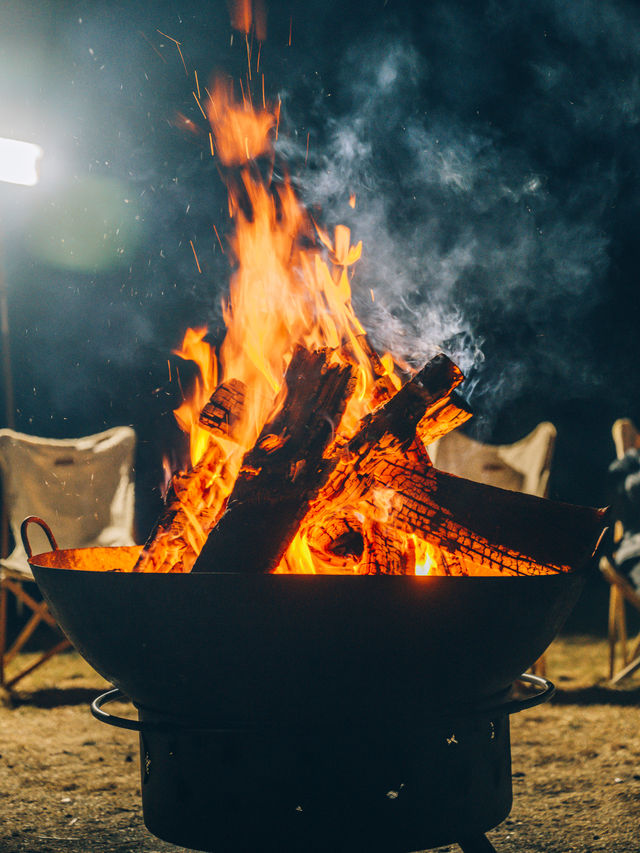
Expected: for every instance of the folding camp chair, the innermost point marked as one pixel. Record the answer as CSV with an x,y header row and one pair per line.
x,y
84,489
625,437
523,466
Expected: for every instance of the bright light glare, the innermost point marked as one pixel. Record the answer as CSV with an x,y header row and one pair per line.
x,y
19,162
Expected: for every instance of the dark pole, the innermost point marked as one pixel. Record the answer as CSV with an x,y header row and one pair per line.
x,y
8,391
6,347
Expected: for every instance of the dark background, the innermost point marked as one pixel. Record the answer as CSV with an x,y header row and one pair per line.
x,y
493,150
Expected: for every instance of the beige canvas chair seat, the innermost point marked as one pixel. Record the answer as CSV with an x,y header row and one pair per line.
x,y
523,466
83,488
622,593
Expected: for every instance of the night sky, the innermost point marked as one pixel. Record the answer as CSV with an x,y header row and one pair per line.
x,y
493,149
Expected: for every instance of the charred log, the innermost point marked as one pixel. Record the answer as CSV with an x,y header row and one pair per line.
x,y
445,416
499,529
427,401
193,500
400,415
483,526
283,472
385,551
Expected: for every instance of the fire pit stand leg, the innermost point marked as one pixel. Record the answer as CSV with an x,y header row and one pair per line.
x,y
478,844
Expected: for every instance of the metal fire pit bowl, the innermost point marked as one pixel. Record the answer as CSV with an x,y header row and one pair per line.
x,y
235,649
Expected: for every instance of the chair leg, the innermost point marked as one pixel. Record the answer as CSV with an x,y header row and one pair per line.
x,y
612,629
40,613
622,627
635,652
629,669
24,635
59,647
3,629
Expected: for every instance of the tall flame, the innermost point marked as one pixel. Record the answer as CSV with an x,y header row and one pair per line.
x,y
291,285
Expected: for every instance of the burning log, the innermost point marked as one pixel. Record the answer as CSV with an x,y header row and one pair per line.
x,y
422,397
385,551
452,412
284,470
490,527
478,527
427,401
178,534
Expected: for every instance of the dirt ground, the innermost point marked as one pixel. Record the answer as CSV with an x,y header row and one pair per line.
x,y
69,783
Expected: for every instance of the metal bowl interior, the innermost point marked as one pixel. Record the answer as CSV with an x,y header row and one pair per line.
x,y
245,649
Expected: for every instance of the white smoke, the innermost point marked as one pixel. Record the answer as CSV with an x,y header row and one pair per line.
x,y
459,226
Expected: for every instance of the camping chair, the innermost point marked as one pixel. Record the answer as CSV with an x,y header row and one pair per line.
x,y
521,467
625,437
84,489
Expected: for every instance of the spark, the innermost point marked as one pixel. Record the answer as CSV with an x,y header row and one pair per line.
x,y
152,45
211,143
290,29
179,382
195,256
177,44
246,38
197,83
219,240
258,62
199,104
307,151
278,117
213,104
264,102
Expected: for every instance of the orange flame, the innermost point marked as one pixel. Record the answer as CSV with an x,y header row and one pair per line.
x,y
291,285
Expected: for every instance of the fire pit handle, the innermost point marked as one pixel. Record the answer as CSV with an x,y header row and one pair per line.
x,y
117,695
546,690
114,695
43,524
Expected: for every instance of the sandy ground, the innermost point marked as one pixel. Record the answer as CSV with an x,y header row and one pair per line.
x,y
69,783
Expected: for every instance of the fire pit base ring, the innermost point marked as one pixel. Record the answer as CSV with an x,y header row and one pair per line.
x,y
340,787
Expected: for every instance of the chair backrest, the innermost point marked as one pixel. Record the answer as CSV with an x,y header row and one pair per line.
x,y
83,488
521,467
625,436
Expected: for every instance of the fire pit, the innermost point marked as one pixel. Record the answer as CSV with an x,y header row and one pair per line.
x,y
230,649
301,712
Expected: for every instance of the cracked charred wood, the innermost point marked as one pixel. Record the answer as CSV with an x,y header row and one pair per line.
x,y
194,497
429,402
450,413
284,470
385,551
223,413
501,530
477,525
400,415
390,428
